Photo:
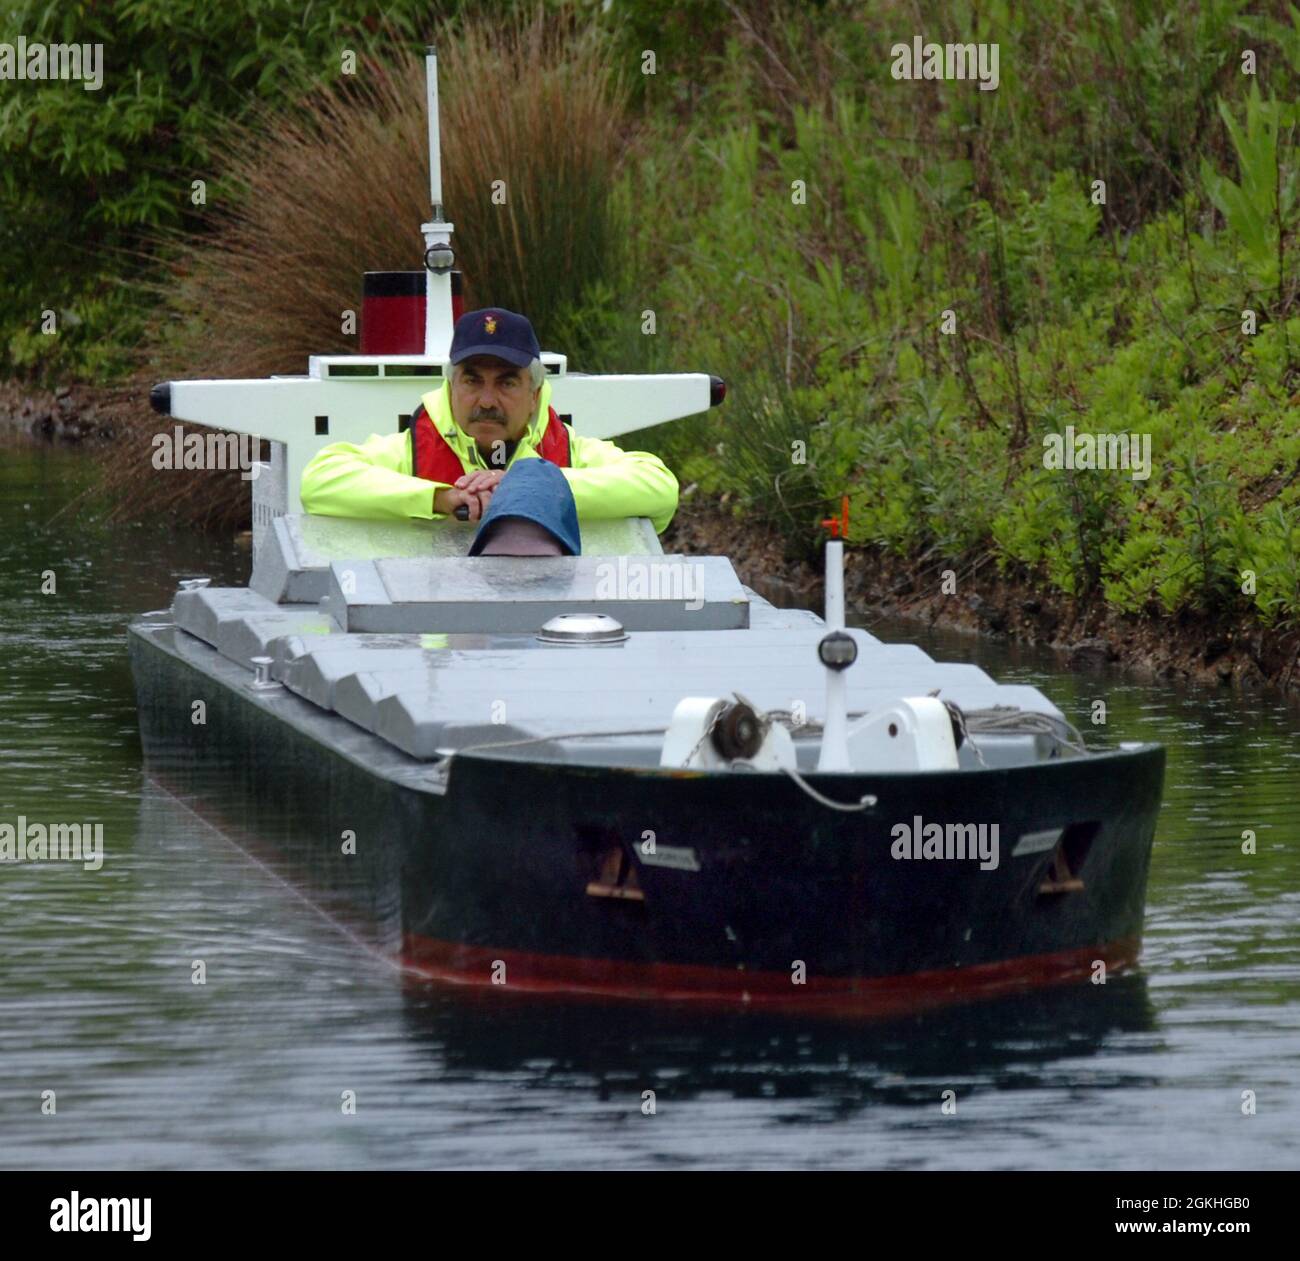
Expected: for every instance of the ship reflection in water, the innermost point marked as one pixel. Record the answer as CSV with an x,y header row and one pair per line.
x,y
476,1075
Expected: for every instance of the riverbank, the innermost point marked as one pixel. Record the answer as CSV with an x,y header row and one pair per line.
x,y
1217,653
958,330
1223,653
71,414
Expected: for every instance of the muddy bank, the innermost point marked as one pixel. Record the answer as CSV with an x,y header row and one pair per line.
x,y
73,415
1217,652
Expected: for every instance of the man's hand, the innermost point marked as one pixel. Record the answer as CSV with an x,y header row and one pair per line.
x,y
474,490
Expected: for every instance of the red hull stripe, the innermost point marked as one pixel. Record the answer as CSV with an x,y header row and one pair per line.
x,y
671,982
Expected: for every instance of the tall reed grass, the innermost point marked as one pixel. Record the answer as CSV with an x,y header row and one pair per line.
x,y
307,201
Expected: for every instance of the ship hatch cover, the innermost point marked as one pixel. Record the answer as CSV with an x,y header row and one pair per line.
x,y
582,628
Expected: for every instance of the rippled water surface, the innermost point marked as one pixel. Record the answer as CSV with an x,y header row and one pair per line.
x,y
97,1002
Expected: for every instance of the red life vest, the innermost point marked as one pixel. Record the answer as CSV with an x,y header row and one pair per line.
x,y
433,458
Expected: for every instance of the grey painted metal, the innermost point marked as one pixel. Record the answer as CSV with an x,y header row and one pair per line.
x,y
513,593
763,615
253,635
441,651
424,722
357,699
242,624
314,675
423,698
202,611
311,665
383,757
294,553
523,661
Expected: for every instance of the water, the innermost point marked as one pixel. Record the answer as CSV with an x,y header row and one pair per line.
x,y
249,1070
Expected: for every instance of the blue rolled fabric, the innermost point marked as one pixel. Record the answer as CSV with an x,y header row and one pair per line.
x,y
535,490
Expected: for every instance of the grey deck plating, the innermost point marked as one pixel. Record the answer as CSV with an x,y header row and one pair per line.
x,y
451,657
514,593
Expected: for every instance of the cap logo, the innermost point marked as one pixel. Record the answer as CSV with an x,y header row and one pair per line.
x,y
490,324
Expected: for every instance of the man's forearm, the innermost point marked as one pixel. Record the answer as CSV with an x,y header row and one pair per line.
x,y
639,485
339,483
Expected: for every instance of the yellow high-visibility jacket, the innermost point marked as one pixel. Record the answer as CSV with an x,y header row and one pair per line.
x,y
374,479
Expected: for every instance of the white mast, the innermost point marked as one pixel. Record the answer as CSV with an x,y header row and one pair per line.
x,y
438,255
837,652
435,138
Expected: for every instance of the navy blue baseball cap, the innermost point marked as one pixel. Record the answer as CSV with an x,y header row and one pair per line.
x,y
497,332
535,490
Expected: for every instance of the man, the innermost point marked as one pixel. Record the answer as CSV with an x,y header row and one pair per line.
x,y
493,412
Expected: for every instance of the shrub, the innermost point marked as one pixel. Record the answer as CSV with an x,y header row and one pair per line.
x,y
82,173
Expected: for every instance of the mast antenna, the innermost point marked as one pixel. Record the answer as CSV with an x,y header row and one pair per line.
x,y
439,257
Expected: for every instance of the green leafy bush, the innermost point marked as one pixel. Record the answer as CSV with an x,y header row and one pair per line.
x,y
83,172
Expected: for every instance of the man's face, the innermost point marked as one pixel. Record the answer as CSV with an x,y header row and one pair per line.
x,y
491,400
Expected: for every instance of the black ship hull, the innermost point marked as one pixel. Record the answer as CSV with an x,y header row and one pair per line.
x,y
718,888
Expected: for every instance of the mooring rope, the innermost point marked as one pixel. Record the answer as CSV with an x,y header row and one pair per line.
x,y
997,720
864,802
1008,720
559,735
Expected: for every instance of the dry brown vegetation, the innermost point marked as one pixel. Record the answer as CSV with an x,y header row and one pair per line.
x,y
306,203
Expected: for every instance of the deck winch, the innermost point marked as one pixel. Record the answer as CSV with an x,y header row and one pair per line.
x,y
919,733
712,734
